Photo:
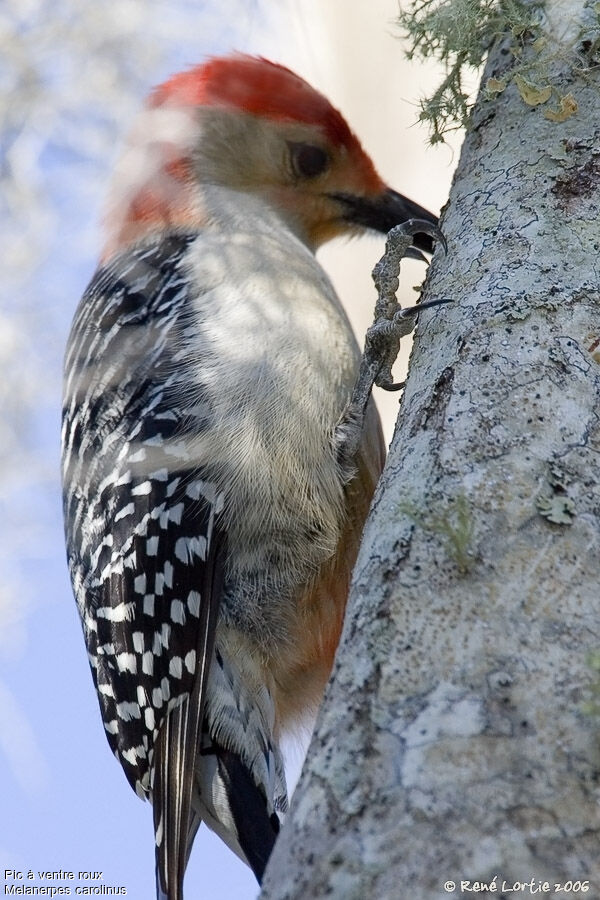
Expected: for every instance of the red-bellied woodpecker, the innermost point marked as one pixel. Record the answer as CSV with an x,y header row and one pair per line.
x,y
216,473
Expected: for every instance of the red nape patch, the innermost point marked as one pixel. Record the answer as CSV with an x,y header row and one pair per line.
x,y
257,86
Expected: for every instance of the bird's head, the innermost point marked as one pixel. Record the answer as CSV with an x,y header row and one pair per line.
x,y
255,127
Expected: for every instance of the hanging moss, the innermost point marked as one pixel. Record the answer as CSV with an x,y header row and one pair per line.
x,y
459,33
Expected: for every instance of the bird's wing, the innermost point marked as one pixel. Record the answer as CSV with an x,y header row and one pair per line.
x,y
143,541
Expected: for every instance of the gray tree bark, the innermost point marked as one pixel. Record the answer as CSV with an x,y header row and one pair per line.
x,y
454,743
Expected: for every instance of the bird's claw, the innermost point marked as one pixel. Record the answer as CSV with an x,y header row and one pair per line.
x,y
391,321
382,341
418,226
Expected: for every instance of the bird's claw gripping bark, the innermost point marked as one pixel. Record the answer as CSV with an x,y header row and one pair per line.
x,y
391,323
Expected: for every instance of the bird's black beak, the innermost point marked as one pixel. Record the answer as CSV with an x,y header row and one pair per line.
x,y
385,210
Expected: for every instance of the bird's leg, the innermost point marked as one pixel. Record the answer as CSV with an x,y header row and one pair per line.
x,y
382,341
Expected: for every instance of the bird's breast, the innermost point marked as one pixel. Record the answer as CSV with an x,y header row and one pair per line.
x,y
273,358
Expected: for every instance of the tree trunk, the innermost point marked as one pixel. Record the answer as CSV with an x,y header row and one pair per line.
x,y
455,744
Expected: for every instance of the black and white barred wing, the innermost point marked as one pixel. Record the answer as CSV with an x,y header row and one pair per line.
x,y
145,553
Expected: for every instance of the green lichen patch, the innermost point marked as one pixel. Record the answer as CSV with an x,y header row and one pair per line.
x,y
555,504
532,94
556,508
567,107
455,526
591,706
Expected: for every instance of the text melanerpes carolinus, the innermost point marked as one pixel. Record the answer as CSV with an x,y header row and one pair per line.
x,y
216,475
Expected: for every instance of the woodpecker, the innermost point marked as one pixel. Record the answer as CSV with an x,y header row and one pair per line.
x,y
216,472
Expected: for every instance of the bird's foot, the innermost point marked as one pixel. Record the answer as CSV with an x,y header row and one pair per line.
x,y
382,342
391,322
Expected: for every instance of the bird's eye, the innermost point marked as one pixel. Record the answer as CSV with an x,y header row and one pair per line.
x,y
308,161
